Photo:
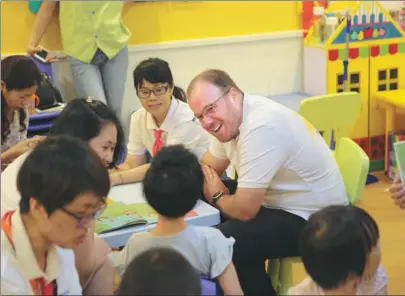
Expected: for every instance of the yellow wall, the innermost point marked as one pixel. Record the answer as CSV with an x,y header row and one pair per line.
x,y
152,22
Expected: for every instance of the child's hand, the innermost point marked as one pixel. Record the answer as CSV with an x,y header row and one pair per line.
x,y
397,192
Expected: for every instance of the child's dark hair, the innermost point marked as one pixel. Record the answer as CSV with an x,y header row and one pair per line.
x,y
84,118
160,271
155,70
335,243
18,72
58,170
174,181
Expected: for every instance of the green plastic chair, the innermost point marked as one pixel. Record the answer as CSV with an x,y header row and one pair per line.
x,y
333,112
354,165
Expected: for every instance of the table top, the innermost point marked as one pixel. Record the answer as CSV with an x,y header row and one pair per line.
x,y
392,97
291,101
132,193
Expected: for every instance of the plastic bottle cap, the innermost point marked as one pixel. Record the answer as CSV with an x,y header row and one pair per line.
x,y
319,10
332,21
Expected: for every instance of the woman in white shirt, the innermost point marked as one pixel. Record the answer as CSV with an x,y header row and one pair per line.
x,y
164,119
93,122
63,185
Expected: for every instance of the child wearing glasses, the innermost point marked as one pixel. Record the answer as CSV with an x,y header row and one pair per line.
x,y
164,119
172,186
341,253
63,185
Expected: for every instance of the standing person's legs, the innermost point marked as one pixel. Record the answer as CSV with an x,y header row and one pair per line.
x,y
87,80
114,73
271,234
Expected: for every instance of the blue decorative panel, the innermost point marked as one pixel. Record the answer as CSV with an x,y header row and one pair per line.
x,y
369,32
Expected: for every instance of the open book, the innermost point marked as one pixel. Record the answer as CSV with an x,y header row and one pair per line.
x,y
399,148
119,215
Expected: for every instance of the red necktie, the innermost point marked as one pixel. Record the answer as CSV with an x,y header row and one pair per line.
x,y
158,144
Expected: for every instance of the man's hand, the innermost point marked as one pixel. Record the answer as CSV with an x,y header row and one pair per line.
x,y
397,192
212,183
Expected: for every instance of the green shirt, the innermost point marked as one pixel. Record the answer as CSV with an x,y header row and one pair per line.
x,y
88,25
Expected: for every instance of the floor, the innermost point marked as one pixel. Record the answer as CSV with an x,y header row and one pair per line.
x,y
391,221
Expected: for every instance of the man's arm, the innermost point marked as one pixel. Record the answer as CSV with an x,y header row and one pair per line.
x,y
261,154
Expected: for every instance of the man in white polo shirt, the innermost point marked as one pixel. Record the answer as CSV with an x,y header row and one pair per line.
x,y
285,172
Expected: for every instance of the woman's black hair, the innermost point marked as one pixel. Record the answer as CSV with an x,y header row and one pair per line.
x,y
155,70
160,271
84,118
335,243
18,72
58,170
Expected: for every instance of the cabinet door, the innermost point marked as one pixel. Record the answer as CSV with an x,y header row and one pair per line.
x,y
357,81
387,72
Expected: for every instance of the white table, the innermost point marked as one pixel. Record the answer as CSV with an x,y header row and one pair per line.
x,y
132,193
291,101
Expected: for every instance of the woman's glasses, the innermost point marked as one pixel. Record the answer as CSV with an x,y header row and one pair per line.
x,y
85,219
158,91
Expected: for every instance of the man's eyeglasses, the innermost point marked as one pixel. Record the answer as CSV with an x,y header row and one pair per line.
x,y
158,91
209,109
83,220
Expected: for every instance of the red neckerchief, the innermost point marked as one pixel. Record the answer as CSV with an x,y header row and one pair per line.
x,y
38,285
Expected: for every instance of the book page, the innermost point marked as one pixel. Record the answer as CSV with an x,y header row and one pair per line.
x,y
399,148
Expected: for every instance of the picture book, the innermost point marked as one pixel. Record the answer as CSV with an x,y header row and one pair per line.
x,y
399,148
118,215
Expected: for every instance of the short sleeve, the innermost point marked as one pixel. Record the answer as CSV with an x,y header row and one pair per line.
x,y
121,259
220,250
12,282
262,151
192,136
217,149
10,197
135,143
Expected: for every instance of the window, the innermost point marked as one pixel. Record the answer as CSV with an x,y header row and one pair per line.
x,y
387,79
353,83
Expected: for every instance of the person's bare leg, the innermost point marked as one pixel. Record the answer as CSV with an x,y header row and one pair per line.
x,y
102,280
95,271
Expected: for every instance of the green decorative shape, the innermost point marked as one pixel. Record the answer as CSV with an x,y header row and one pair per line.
x,y
383,49
401,47
375,33
342,54
364,52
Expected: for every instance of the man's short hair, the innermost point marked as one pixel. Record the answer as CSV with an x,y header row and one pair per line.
x,y
216,77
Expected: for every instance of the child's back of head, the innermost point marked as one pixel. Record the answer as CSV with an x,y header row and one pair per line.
x,y
160,271
174,181
339,246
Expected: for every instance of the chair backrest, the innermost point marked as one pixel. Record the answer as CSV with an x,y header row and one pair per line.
x,y
332,112
354,165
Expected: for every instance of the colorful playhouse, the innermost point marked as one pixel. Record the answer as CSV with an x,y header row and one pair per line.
x,y
375,51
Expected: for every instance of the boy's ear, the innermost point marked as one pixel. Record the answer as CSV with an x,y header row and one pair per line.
x,y
3,86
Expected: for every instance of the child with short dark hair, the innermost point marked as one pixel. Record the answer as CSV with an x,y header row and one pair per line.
x,y
340,250
172,186
151,273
